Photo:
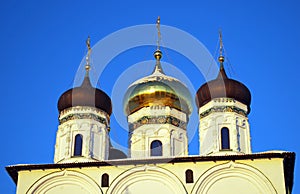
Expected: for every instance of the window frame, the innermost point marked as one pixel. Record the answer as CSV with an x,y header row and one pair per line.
x,y
78,141
189,176
157,150
225,138
105,180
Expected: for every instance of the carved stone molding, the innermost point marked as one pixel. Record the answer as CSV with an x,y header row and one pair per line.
x,y
223,109
76,116
157,120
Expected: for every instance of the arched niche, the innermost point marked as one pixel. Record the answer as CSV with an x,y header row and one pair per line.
x,y
65,182
234,178
147,180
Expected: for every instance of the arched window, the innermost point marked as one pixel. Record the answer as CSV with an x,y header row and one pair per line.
x,y
156,148
104,180
225,138
189,177
78,145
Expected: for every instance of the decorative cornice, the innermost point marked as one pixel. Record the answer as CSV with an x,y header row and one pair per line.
x,y
82,109
76,116
223,109
289,162
157,120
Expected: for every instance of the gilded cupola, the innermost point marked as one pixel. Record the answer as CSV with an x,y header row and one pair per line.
x,y
157,89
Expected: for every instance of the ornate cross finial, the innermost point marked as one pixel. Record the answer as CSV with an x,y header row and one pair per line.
x,y
221,57
158,53
221,42
88,44
158,32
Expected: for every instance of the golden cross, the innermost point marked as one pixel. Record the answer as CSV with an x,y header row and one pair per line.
x,y
221,42
88,44
158,32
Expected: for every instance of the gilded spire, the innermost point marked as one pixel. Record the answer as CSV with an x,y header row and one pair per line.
x,y
221,57
88,65
222,73
158,53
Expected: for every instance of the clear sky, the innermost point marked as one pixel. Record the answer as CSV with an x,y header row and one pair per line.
x,y
42,44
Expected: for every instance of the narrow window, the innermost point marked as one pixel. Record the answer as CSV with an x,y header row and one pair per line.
x,y
156,148
78,145
225,138
189,177
105,180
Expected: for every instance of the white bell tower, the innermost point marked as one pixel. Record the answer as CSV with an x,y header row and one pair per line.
x,y
82,135
157,109
224,105
224,127
84,115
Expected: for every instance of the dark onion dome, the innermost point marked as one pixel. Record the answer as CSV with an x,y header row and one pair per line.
x,y
115,153
157,89
85,95
223,86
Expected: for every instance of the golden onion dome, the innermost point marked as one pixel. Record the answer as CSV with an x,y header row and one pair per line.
x,y
157,89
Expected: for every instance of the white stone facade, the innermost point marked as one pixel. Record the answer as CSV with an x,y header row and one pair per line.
x,y
261,173
92,125
222,113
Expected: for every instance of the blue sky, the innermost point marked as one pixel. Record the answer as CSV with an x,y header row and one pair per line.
x,y
43,43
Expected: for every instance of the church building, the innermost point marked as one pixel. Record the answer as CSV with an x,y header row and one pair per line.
x,y
157,108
